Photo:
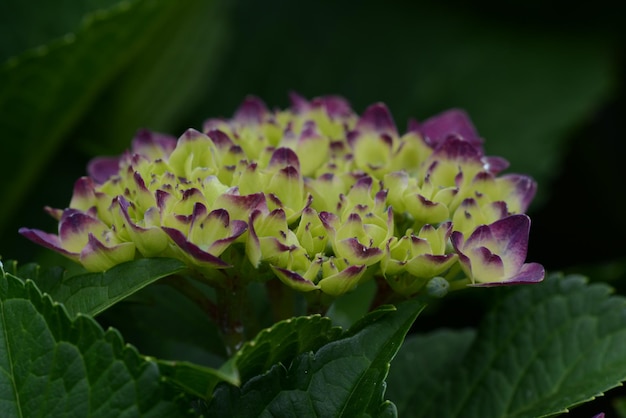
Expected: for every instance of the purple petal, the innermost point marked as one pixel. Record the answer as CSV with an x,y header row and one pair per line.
x,y
53,212
284,157
277,216
329,220
47,240
218,215
289,173
414,126
251,111
438,259
237,228
335,106
525,189
83,194
150,241
74,222
124,205
377,118
253,244
293,279
192,194
487,258
495,165
100,169
451,122
298,103
239,207
343,281
429,265
362,253
309,131
145,141
455,148
213,124
500,208
192,135
193,250
512,233
481,236
96,256
363,184
141,185
217,218
220,139
162,198
199,213
468,206
529,273
456,239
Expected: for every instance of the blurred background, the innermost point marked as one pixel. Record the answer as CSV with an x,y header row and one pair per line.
x,y
544,85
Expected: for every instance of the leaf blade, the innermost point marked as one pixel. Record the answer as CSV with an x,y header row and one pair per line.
x,y
71,367
543,350
423,362
282,342
92,293
195,379
120,53
343,378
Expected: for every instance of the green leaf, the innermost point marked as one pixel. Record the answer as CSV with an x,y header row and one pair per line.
x,y
60,367
352,306
343,378
544,349
29,25
422,365
162,322
135,46
146,95
282,342
195,379
92,293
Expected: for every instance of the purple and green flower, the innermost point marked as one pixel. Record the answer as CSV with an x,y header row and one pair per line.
x,y
315,195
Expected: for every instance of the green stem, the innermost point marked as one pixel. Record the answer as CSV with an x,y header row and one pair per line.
x,y
192,293
318,302
281,300
454,272
232,306
459,284
384,293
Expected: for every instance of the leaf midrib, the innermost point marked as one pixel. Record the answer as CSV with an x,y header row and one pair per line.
x,y
401,330
498,353
10,358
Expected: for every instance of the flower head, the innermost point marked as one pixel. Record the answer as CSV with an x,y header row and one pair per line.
x,y
317,195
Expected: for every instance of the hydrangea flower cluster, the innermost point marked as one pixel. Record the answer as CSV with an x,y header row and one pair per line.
x,y
316,195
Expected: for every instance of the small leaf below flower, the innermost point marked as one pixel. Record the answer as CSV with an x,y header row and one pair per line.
x,y
343,378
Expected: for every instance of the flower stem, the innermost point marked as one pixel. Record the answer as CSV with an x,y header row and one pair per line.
x,y
188,290
459,284
282,300
318,302
232,305
384,293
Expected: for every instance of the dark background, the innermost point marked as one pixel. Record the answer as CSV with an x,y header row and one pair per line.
x,y
544,85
